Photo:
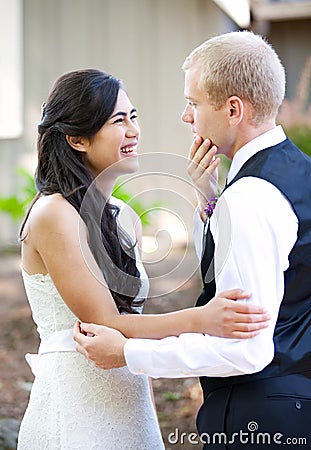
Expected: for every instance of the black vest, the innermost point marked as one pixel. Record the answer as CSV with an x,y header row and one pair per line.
x,y
287,168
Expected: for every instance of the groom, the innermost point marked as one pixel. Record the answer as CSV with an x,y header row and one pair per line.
x,y
256,392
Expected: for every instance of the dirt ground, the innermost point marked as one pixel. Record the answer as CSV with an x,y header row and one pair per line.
x,y
175,284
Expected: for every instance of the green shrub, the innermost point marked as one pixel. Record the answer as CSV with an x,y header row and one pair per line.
x,y
143,211
16,205
301,136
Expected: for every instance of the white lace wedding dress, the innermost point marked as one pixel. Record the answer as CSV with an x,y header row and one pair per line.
x,y
73,404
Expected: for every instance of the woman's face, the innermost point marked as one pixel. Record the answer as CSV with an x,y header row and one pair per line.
x,y
114,146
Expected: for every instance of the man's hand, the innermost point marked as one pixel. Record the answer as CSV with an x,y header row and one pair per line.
x,y
227,317
105,347
203,170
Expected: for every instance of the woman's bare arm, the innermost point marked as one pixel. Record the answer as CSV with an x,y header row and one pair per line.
x,y
58,235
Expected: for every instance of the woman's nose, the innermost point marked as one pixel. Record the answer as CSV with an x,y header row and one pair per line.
x,y
133,129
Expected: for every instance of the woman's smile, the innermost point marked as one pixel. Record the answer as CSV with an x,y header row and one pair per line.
x,y
129,150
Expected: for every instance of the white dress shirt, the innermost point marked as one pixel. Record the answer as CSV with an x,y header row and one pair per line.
x,y
254,229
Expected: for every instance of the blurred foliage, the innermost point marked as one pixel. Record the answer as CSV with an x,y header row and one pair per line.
x,y
301,136
143,211
16,205
223,170
171,396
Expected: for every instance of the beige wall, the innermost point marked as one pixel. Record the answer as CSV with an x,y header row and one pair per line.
x,y
292,41
143,42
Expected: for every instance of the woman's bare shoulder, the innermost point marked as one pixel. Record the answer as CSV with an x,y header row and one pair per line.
x,y
52,211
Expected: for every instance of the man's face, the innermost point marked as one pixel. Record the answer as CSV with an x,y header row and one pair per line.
x,y
205,120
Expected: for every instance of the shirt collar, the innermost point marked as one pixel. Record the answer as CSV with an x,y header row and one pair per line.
x,y
265,140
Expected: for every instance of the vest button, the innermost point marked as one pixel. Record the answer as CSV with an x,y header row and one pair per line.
x,y
298,405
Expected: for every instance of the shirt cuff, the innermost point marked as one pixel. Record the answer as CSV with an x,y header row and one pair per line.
x,y
137,354
155,358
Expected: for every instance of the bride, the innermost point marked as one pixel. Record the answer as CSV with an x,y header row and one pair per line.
x,y
80,260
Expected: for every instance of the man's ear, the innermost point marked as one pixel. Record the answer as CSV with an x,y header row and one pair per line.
x,y
77,143
235,108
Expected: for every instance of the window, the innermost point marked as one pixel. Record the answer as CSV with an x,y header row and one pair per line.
x,y
11,79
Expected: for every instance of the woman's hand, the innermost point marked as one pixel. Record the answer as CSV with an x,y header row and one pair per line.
x,y
203,170
225,317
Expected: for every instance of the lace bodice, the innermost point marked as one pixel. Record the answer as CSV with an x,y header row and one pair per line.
x,y
49,311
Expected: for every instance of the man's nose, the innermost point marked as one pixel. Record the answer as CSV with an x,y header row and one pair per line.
x,y
187,116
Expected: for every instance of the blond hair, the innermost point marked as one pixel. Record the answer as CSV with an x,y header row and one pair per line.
x,y
243,64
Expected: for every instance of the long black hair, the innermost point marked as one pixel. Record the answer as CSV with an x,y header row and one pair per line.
x,y
79,104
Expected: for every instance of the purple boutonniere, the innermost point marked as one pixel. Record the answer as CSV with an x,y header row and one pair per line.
x,y
211,204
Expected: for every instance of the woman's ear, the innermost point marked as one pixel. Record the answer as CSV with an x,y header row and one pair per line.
x,y
77,143
235,108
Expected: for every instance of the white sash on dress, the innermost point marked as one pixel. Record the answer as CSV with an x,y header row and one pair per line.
x,y
60,341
